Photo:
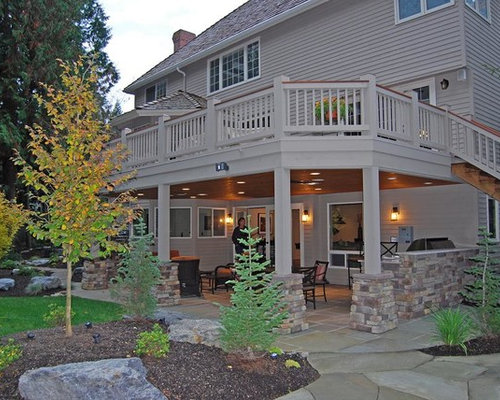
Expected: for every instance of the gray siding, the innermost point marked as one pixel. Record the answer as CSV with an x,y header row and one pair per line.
x,y
337,41
482,41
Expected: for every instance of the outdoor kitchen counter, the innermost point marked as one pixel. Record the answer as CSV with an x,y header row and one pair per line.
x,y
189,274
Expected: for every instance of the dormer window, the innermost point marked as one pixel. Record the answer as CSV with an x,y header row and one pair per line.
x,y
156,91
234,67
409,9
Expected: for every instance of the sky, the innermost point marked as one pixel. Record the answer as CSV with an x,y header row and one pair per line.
x,y
142,33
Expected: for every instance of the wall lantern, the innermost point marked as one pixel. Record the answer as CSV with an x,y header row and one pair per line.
x,y
229,219
305,216
445,83
395,213
221,166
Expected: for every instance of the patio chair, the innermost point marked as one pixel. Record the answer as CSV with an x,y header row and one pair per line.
x,y
309,284
208,278
388,249
222,274
321,269
355,261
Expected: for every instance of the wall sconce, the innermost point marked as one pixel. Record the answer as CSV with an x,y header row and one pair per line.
x,y
445,83
305,216
229,219
395,213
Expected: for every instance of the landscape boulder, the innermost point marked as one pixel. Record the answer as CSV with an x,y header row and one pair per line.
x,y
77,274
113,379
197,331
46,282
38,262
7,283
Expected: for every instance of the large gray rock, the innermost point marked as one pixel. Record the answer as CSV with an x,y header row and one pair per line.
x,y
197,331
47,282
7,283
114,379
38,262
170,317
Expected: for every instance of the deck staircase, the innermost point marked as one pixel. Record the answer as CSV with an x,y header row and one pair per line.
x,y
481,180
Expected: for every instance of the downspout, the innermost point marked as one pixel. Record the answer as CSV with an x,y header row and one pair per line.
x,y
183,77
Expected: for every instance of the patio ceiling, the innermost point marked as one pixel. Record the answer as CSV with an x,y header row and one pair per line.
x,y
303,182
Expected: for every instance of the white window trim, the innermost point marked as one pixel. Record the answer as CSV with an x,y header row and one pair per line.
x,y
408,87
190,222
488,7
156,90
423,12
245,67
213,236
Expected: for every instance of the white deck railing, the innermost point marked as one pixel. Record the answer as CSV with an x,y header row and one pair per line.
x,y
309,108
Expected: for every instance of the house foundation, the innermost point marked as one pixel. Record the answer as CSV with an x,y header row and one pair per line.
x,y
168,292
373,308
296,307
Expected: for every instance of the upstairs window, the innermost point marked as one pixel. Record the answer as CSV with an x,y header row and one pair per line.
x,y
156,92
482,7
236,66
409,9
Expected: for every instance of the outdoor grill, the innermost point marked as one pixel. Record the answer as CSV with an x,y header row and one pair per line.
x,y
431,244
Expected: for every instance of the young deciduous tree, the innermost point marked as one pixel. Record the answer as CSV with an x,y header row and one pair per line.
x,y
73,169
12,217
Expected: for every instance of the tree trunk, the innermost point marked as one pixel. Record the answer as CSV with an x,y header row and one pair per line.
x,y
69,328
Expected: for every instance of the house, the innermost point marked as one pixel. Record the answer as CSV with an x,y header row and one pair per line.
x,y
329,123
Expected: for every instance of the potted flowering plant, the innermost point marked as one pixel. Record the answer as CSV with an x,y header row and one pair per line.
x,y
325,103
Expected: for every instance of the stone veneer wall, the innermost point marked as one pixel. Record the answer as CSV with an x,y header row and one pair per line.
x,y
95,274
425,280
373,308
168,291
294,297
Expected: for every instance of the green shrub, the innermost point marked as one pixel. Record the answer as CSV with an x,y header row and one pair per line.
x,y
257,305
9,264
9,353
137,276
56,316
33,289
29,271
155,343
13,218
454,327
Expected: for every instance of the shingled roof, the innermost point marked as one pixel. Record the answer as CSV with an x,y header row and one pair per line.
x,y
179,100
248,15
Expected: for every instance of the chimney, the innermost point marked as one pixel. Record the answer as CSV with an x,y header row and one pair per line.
x,y
182,38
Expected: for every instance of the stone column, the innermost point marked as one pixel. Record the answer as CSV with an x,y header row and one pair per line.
x,y
373,307
294,297
283,221
371,220
95,275
168,292
164,222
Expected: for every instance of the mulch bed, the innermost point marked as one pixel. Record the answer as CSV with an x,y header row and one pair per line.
x,y
478,346
188,372
21,283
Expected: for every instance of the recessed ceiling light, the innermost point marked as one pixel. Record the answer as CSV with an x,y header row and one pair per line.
x,y
241,192
315,173
312,183
186,189
391,178
192,197
318,188
140,194
428,183
318,180
202,194
241,182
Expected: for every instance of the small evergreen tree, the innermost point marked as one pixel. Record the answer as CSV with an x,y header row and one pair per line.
x,y
257,304
484,291
137,275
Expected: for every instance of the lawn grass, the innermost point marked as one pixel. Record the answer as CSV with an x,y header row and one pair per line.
x,y
19,314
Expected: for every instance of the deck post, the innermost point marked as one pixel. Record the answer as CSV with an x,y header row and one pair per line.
x,y
283,221
279,106
162,137
164,222
369,114
371,220
211,124
414,119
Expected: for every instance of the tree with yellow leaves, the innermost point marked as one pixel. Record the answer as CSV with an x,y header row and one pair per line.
x,y
73,171
12,217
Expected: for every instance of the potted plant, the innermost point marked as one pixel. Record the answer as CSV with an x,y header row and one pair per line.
x,y
333,114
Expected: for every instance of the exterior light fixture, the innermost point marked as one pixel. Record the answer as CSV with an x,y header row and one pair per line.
x,y
222,166
444,84
305,216
229,219
395,213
